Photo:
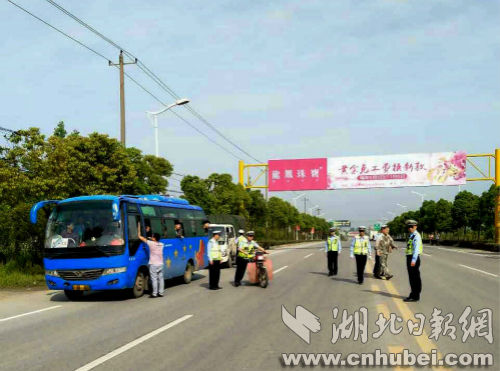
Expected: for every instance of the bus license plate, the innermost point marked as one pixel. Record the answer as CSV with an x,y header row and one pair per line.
x,y
81,287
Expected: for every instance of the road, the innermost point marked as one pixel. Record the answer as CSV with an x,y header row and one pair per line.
x,y
241,328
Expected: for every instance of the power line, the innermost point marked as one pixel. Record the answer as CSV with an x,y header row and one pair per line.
x,y
58,30
151,75
126,74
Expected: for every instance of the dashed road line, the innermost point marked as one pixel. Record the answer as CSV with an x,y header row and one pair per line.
x,y
124,348
29,313
478,270
305,257
280,269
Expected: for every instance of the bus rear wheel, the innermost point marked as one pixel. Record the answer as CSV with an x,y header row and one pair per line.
x,y
140,285
73,295
188,273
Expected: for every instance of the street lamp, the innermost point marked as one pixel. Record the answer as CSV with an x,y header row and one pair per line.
x,y
153,116
296,198
312,208
422,195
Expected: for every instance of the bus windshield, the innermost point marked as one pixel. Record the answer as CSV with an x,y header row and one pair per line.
x,y
83,224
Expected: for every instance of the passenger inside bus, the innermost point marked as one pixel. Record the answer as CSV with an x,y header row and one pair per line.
x,y
179,229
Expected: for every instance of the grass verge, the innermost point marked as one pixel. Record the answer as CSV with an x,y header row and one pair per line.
x,y
14,276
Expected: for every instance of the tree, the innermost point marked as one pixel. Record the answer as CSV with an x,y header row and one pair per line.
x,y
465,211
444,220
487,210
35,168
60,130
427,222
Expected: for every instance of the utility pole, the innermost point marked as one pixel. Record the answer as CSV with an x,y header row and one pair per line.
x,y
120,64
305,204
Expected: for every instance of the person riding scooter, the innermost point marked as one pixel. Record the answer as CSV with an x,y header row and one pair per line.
x,y
245,253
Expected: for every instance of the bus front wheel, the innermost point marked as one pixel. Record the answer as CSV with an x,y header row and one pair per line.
x,y
140,285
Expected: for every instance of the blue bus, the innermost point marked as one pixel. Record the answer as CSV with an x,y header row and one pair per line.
x,y
91,242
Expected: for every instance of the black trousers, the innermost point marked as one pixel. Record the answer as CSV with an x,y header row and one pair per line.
x,y
376,268
360,266
414,276
332,262
241,267
214,274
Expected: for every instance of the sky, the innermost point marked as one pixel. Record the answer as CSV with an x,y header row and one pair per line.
x,y
282,79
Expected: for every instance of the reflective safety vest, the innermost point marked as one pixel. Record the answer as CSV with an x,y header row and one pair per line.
x,y
214,250
361,245
333,243
409,245
241,239
248,250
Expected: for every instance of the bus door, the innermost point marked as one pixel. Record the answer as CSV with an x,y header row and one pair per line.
x,y
137,255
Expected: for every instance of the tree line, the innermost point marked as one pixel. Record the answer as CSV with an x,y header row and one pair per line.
x,y
468,217
35,167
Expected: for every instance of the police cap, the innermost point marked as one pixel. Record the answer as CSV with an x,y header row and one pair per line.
x,y
411,223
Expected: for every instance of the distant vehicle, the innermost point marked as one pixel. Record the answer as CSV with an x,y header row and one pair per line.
x,y
227,242
92,244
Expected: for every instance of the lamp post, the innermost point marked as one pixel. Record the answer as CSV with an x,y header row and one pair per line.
x,y
153,116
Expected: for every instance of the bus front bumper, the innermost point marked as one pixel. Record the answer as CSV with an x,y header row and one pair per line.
x,y
115,281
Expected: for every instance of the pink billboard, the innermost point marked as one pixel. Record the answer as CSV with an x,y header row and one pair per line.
x,y
400,170
404,170
299,174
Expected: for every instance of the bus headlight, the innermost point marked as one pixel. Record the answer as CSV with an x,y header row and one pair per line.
x,y
114,270
51,273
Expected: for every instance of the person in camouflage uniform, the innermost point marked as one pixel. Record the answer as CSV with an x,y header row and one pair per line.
x,y
384,247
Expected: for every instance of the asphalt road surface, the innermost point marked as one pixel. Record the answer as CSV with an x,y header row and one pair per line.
x,y
193,328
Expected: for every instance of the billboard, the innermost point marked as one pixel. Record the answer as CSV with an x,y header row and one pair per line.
x,y
301,174
403,170
407,170
341,223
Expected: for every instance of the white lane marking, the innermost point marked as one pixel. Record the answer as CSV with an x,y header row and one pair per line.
x,y
464,252
305,257
280,269
426,254
28,313
478,270
279,252
322,249
124,348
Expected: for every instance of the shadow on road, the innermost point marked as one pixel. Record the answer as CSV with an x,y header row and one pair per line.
x,y
387,294
320,273
344,280
117,295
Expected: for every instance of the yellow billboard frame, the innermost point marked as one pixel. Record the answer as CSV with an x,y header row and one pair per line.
x,y
249,183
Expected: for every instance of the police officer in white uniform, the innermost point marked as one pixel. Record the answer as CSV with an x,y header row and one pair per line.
x,y
333,246
214,258
361,249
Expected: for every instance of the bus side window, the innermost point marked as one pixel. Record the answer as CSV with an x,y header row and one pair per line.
x,y
147,232
187,227
200,231
167,228
133,239
157,227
